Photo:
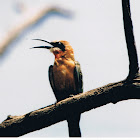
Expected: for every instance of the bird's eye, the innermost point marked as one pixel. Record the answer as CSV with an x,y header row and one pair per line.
x,y
59,45
56,52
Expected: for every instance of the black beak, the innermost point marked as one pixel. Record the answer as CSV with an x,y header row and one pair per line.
x,y
45,47
54,44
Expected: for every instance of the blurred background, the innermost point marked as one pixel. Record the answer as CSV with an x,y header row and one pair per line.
x,y
94,28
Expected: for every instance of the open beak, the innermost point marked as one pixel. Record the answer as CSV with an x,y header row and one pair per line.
x,y
45,47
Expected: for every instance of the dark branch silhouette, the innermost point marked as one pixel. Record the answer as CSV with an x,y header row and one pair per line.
x,y
111,93
130,41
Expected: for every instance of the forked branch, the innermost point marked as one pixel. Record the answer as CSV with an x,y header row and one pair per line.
x,y
111,93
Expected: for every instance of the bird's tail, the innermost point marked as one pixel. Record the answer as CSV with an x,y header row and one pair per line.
x,y
73,125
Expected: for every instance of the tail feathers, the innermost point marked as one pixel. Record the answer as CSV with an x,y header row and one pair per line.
x,y
73,125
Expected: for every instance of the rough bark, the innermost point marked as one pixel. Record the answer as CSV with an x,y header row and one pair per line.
x,y
111,93
44,117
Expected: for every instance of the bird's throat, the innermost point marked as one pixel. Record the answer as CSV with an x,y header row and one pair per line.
x,y
57,56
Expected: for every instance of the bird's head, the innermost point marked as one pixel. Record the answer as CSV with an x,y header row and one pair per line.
x,y
60,49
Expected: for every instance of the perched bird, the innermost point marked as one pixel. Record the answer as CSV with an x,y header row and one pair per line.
x,y
65,78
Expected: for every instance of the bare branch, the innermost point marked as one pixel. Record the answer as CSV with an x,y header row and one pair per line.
x,y
44,117
29,18
130,40
111,93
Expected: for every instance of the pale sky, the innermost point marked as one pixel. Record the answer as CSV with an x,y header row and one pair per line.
x,y
97,36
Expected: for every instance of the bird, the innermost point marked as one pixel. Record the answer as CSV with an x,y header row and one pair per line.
x,y
65,77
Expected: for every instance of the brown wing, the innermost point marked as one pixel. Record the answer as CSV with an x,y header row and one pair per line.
x,y
78,77
51,79
58,95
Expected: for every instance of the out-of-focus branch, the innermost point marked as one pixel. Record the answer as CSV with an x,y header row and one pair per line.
x,y
29,18
111,93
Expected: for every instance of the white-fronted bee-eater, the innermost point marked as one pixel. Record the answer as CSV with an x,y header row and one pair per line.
x,y
65,78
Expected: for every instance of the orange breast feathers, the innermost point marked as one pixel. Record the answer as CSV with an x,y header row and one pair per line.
x,y
63,72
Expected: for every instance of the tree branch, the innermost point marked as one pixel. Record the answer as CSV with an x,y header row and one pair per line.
x,y
130,41
44,117
111,93
29,18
